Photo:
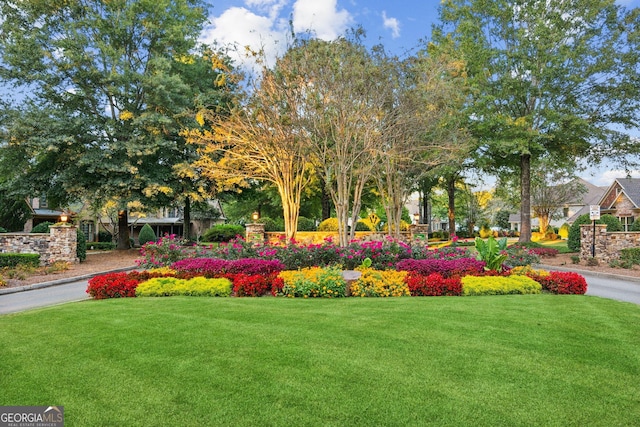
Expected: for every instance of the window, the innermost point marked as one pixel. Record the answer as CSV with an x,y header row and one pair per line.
x,y
626,222
87,229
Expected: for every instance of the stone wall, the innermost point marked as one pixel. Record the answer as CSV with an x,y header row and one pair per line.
x,y
59,245
607,245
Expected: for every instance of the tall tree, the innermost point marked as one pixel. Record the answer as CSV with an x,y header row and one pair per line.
x,y
262,140
550,77
106,77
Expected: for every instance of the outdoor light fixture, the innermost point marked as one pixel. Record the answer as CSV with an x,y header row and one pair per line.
x,y
416,217
63,217
255,216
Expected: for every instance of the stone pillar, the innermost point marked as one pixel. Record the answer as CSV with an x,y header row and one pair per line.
x,y
419,233
255,232
586,240
63,244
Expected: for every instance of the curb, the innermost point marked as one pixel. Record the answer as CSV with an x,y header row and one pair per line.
x,y
15,289
589,272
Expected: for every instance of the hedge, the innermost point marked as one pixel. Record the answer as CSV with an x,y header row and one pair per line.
x,y
13,260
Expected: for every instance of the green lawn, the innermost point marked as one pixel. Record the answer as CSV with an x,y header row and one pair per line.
x,y
531,360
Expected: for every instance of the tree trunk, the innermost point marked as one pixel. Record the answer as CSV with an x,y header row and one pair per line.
x,y
325,200
451,212
123,230
525,198
186,227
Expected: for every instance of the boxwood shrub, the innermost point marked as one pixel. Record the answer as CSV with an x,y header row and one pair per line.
x,y
13,260
223,233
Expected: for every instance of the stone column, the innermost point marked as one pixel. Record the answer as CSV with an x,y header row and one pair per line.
x,y
255,232
419,233
586,240
63,244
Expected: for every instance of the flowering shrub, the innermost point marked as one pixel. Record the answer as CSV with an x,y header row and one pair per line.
x,y
313,282
446,252
256,285
518,256
561,282
112,285
499,285
444,267
164,252
198,286
433,285
544,252
380,283
215,267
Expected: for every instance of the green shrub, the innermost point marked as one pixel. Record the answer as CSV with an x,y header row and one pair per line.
x,y
631,255
306,224
635,225
105,236
573,241
43,227
363,226
81,245
499,285
223,233
101,246
271,224
147,235
3,230
198,286
13,260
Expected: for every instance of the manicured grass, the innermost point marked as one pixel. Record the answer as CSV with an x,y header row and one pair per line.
x,y
542,360
560,245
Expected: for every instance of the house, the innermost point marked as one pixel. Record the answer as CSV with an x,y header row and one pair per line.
x,y
622,200
40,212
569,210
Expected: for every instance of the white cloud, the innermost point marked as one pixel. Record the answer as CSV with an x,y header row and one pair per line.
x,y
321,18
606,178
240,27
391,23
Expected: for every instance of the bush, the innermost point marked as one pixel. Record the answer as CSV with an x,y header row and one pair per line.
x,y
499,285
164,252
433,285
380,283
13,260
255,285
147,235
313,283
631,255
329,224
563,232
444,267
306,224
101,246
197,286
564,282
43,227
81,245
573,240
3,230
112,285
362,225
105,236
635,225
223,233
216,267
272,225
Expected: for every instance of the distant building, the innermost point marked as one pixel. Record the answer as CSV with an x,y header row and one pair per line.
x,y
622,200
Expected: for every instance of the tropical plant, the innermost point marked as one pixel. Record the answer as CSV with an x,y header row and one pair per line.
x,y
492,252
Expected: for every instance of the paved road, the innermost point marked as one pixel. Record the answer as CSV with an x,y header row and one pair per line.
x,y
43,297
605,286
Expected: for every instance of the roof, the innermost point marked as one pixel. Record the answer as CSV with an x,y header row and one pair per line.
x,y
592,195
631,187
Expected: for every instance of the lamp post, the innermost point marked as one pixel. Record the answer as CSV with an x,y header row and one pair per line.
x,y
63,217
416,218
255,216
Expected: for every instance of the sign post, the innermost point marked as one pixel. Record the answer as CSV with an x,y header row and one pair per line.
x,y
594,215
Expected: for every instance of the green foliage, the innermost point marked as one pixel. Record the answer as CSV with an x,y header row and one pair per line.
x,y
499,285
3,230
171,286
101,246
635,226
306,224
43,227
363,226
272,225
13,260
81,248
501,219
14,211
105,236
314,282
147,235
492,252
574,241
630,255
223,233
